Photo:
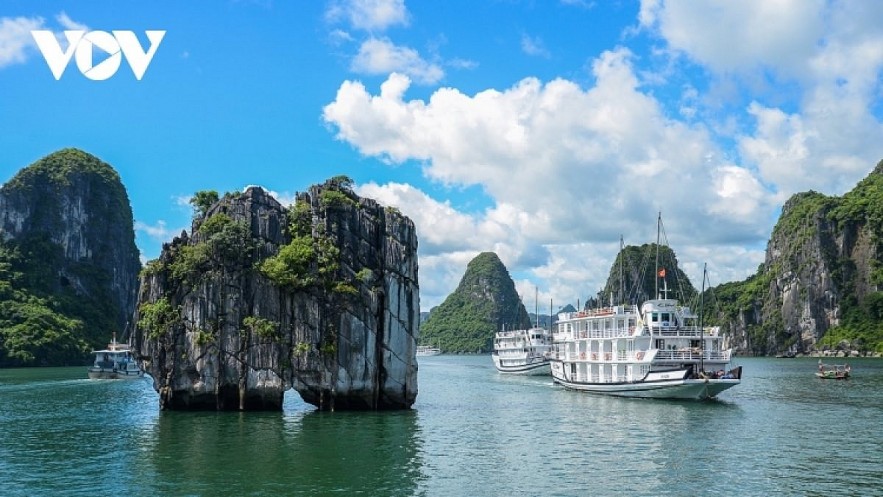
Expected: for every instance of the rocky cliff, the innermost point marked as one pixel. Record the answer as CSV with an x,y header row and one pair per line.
x,y
484,302
322,297
69,259
818,288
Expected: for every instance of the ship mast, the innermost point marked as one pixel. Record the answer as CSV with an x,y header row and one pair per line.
x,y
536,304
621,279
656,269
701,326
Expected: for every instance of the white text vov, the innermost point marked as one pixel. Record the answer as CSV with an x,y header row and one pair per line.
x,y
118,44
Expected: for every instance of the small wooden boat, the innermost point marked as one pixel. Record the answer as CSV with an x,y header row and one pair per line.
x,y
833,371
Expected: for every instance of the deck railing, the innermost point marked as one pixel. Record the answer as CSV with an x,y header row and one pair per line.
x,y
692,355
624,355
596,378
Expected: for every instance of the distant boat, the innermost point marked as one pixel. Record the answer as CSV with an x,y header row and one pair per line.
x,y
114,363
833,371
427,350
523,352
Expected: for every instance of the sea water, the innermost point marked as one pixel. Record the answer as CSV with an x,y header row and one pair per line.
x,y
472,432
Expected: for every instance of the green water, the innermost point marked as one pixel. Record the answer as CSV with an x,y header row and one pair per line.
x,y
472,432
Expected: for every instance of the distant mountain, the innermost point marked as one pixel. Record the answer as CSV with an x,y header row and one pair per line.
x,y
485,301
567,308
68,261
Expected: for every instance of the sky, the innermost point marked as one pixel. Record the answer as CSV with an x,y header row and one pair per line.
x,y
541,130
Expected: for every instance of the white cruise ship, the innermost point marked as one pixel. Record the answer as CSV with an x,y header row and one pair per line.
x,y
427,350
522,351
656,351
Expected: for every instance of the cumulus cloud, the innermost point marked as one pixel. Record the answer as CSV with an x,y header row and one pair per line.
x,y
16,42
828,54
551,151
569,169
15,38
731,36
381,56
369,15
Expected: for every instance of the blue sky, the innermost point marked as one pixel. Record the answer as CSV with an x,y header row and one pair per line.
x,y
541,130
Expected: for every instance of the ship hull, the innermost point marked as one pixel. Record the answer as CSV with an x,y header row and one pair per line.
x,y
537,368
657,385
114,375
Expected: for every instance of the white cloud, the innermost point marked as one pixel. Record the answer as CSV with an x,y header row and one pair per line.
x,y
69,24
827,55
284,198
339,37
569,170
369,15
548,151
458,63
381,56
158,232
534,46
15,38
740,195
16,42
183,201
731,36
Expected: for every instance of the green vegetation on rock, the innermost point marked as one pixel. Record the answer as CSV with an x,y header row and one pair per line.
x,y
826,252
158,317
56,306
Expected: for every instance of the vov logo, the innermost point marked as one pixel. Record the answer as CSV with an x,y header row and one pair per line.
x,y
82,45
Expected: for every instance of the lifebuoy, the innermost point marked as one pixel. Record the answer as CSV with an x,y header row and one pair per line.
x,y
639,356
582,355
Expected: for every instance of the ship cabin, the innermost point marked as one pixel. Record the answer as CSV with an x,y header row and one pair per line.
x,y
679,339
661,335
